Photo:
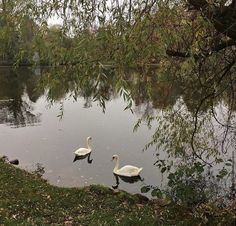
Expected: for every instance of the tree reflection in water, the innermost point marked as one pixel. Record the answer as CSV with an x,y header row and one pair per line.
x,y
194,123
17,95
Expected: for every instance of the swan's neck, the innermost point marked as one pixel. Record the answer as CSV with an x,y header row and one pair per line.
x,y
89,147
117,164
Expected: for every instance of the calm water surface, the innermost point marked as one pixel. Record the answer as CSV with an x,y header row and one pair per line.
x,y
50,141
42,125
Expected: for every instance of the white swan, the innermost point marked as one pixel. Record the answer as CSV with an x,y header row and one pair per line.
x,y
126,171
84,151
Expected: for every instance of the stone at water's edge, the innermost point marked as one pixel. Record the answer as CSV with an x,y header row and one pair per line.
x,y
14,162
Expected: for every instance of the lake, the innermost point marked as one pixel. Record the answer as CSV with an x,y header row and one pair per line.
x,y
49,141
43,123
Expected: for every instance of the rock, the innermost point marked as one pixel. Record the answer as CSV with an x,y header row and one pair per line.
x,y
14,162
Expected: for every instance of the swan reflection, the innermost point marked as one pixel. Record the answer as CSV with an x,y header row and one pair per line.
x,y
83,157
130,180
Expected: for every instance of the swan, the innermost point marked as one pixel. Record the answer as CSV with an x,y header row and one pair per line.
x,y
126,171
84,151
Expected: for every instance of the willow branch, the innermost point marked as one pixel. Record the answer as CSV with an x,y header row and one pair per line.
x,y
215,48
223,19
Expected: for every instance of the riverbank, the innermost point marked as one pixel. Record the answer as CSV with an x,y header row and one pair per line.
x,y
29,200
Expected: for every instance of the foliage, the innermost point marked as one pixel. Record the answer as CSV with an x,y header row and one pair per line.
x,y
102,46
121,32
188,185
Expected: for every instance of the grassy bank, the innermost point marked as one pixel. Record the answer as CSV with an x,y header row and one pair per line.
x,y
28,200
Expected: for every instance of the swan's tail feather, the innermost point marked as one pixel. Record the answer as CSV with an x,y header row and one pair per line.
x,y
76,158
140,169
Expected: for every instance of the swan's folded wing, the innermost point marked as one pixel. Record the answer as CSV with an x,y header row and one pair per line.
x,y
82,151
129,171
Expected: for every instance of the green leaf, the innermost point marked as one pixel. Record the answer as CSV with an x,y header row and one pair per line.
x,y
156,193
146,189
222,173
163,169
